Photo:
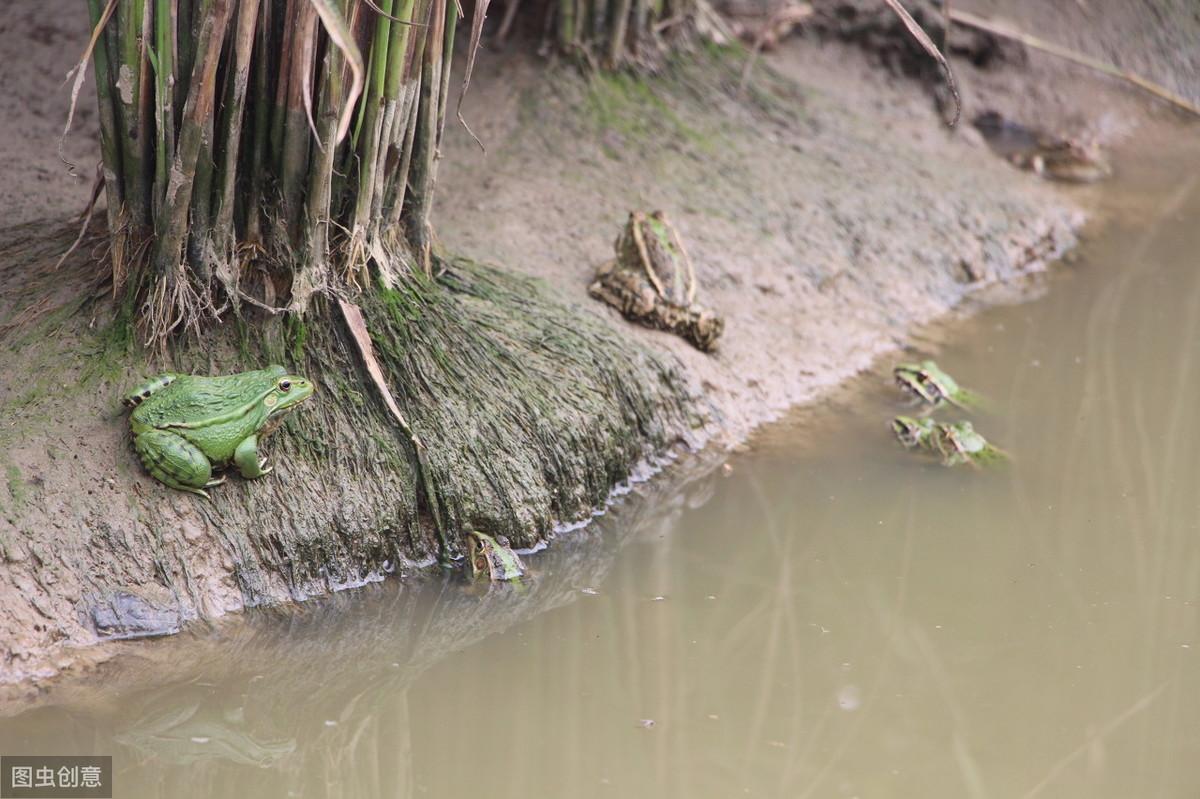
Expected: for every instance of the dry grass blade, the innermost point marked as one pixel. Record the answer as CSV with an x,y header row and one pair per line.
x,y
481,7
86,217
78,74
399,20
343,38
362,339
967,18
922,38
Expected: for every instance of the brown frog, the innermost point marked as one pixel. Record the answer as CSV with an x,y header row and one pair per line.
x,y
652,281
1049,156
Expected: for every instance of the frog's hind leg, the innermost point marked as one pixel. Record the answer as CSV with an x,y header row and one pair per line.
x,y
247,459
175,461
143,391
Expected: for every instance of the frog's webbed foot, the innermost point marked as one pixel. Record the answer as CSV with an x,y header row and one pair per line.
x,y
248,461
216,481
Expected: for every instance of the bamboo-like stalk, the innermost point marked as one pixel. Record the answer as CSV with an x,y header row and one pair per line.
x,y
164,99
261,103
238,81
110,147
208,141
425,150
616,42
373,120
128,92
297,136
173,230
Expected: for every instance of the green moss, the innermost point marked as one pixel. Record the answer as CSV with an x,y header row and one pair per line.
x,y
17,490
634,106
297,333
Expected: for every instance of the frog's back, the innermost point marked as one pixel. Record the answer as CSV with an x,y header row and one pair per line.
x,y
189,399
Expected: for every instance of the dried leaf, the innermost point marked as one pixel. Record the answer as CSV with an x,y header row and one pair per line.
x,y
362,339
927,44
343,38
78,73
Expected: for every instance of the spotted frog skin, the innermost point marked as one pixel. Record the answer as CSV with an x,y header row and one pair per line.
x,y
185,426
652,281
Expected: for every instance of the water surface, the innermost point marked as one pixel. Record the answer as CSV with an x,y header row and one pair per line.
x,y
826,616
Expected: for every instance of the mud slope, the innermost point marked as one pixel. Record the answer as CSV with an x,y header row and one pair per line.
x,y
827,209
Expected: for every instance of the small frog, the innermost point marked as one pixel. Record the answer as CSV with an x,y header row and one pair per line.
x,y
652,281
185,425
494,557
1052,157
913,433
959,443
929,384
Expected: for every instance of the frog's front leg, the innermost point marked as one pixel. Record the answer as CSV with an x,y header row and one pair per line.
x,y
175,461
247,459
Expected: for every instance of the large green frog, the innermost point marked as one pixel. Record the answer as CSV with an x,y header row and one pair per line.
x,y
184,426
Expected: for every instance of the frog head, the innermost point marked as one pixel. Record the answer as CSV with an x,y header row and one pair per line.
x,y
927,382
493,557
913,432
285,394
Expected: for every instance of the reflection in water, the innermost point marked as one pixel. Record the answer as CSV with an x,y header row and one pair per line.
x,y
831,618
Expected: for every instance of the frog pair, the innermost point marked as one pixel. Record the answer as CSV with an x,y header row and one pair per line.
x,y
955,442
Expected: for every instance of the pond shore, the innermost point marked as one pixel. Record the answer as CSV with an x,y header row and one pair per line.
x,y
828,210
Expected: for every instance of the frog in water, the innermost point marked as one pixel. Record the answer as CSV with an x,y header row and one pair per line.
x,y
929,384
955,442
1069,160
652,281
185,425
914,433
958,442
494,557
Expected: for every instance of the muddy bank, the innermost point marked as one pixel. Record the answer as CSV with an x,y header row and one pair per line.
x,y
827,212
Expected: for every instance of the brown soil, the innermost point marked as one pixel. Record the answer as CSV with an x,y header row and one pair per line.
x,y
827,210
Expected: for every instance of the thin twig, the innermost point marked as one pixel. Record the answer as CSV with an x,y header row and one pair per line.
x,y
918,33
477,17
86,216
1006,32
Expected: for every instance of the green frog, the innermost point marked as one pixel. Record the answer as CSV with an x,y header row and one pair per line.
x,y
494,557
914,433
955,442
958,442
929,384
184,426
652,281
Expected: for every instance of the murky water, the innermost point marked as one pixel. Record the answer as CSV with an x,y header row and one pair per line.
x,y
828,617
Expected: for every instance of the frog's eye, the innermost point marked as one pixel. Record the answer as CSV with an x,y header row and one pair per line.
x,y
285,385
